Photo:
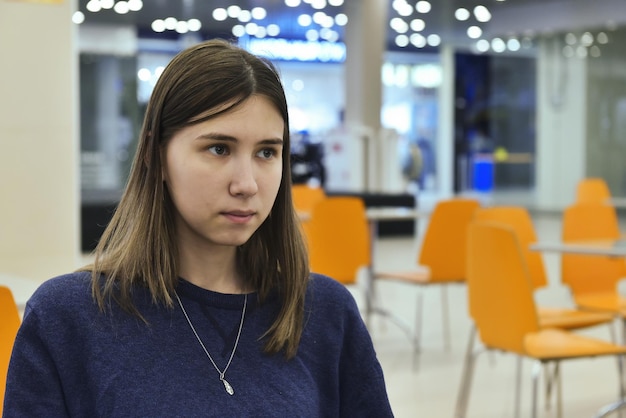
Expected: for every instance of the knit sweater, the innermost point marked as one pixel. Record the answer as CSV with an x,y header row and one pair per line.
x,y
71,360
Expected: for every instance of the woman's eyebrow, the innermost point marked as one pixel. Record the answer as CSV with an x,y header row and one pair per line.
x,y
214,136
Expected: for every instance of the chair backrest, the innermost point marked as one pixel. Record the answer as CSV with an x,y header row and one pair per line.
x,y
306,197
443,249
338,238
592,190
9,323
499,287
588,274
519,219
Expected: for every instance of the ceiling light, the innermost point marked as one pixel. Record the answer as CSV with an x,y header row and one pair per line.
x,y
434,39
135,5
482,14
292,3
402,7
233,11
121,7
341,19
244,16
402,40
239,31
474,32
570,39
586,39
498,45
194,25
94,6
602,38
182,27
144,74
418,40
418,25
158,25
423,6
261,32
251,28
513,45
462,14
398,25
319,17
259,13
335,2
304,20
107,4
594,51
273,29
581,51
78,17
327,22
482,45
312,35
220,14
170,23
318,4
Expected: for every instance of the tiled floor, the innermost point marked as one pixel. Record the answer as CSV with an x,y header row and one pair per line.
x,y
429,388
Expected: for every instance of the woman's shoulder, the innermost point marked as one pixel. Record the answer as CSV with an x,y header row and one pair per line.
x,y
328,291
67,290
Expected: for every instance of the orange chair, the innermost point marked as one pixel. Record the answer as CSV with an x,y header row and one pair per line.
x,y
306,197
9,323
593,280
520,220
501,305
441,259
592,190
338,238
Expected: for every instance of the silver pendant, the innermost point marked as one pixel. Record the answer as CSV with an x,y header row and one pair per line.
x,y
228,387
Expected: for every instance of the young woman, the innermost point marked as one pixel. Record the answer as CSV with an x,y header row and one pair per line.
x,y
199,301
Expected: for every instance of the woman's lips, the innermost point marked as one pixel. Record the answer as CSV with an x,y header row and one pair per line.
x,y
239,217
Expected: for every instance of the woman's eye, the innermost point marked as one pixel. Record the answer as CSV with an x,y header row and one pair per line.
x,y
267,153
219,149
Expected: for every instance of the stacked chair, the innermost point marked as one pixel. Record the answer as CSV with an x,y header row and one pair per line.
x,y
338,238
568,318
592,190
503,310
305,198
593,280
441,257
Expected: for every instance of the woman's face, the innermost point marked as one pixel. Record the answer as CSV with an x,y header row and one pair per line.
x,y
223,174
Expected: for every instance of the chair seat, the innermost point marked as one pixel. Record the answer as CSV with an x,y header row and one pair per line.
x,y
602,302
556,344
419,276
570,319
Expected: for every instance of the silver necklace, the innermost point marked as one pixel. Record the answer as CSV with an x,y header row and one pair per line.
x,y
222,373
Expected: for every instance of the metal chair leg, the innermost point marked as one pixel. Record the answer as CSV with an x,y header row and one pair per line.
x,y
518,387
535,380
445,316
466,376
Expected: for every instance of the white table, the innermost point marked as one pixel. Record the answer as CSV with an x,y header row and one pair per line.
x,y
618,202
611,248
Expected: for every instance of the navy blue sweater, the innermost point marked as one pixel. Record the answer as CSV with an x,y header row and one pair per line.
x,y
69,359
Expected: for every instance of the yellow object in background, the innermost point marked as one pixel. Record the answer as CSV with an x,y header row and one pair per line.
x,y
500,154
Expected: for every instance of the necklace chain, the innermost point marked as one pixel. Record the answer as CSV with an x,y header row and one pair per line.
x,y
222,373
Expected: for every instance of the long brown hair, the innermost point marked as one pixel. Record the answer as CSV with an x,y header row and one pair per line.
x,y
138,246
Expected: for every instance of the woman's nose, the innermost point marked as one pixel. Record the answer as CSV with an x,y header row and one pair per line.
x,y
243,180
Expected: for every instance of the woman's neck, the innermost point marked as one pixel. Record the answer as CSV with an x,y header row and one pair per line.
x,y
216,270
